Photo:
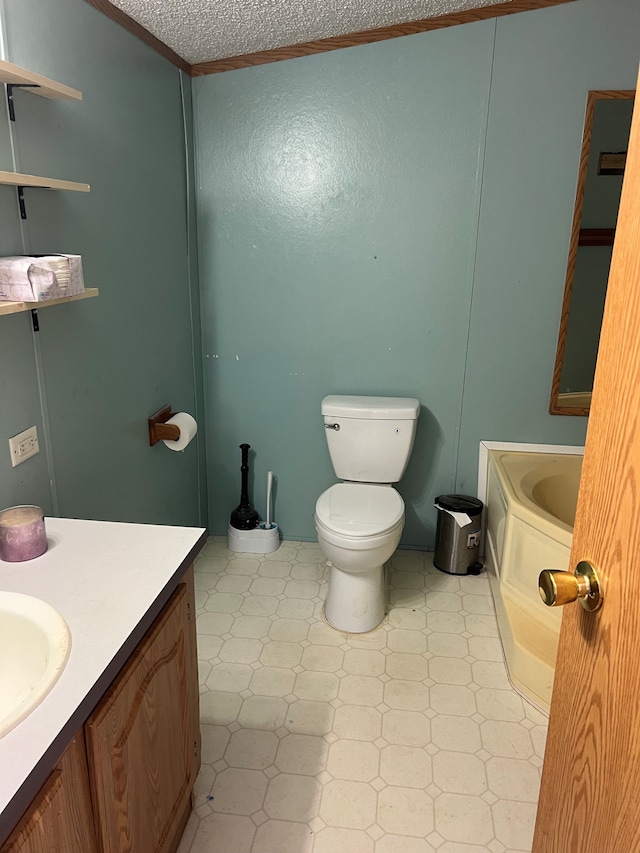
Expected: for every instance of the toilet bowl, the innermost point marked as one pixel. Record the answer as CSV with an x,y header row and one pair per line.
x,y
359,527
359,521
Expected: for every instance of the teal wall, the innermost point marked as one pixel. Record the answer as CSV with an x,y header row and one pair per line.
x,y
394,219
98,368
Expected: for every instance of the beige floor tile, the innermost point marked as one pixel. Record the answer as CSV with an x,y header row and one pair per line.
x,y
263,712
308,571
251,749
407,667
208,646
351,805
463,818
450,671
214,623
405,766
279,836
402,844
410,642
251,627
289,630
406,695
272,681
407,619
219,708
233,583
356,761
322,658
334,840
302,754
447,645
513,779
322,634
459,773
322,686
360,690
240,650
214,742
277,653
357,722
242,566
446,622
406,739
453,699
405,811
232,677
267,586
443,601
514,823
458,734
307,717
406,728
507,740
295,608
292,797
500,704
239,791
223,602
364,662
221,833
274,569
259,605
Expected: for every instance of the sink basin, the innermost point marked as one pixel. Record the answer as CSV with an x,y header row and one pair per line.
x,y
34,646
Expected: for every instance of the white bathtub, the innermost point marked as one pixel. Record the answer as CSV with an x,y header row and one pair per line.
x,y
531,504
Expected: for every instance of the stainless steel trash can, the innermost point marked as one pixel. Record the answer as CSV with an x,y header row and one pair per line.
x,y
458,534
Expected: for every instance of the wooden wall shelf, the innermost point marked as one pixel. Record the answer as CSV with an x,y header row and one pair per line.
x,y
17,307
14,75
16,179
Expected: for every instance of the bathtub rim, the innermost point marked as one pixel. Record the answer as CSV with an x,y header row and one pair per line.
x,y
517,447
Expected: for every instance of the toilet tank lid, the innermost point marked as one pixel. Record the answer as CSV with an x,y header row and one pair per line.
x,y
379,408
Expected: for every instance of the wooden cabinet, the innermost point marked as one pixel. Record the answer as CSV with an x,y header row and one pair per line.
x,y
142,748
124,784
60,817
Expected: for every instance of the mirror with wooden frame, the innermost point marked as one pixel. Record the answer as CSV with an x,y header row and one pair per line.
x,y
604,149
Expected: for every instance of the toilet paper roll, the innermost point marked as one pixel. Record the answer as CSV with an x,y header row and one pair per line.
x,y
188,429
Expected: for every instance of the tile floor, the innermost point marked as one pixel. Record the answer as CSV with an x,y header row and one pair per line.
x,y
408,739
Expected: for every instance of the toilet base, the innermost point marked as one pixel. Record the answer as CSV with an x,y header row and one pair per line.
x,y
356,600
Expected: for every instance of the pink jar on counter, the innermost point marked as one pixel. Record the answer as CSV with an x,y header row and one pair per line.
x,y
22,533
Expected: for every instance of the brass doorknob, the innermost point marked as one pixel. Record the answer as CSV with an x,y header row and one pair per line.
x,y
557,588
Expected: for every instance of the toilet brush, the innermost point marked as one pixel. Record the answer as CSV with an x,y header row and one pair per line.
x,y
244,516
268,524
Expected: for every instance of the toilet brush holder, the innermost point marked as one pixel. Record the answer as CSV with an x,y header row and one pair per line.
x,y
259,540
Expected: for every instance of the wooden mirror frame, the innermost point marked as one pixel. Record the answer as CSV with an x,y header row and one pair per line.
x,y
591,237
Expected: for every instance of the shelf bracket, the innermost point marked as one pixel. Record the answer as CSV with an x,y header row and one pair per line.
x,y
34,320
23,209
10,88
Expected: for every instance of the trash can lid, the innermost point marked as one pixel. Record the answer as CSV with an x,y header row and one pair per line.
x,y
460,503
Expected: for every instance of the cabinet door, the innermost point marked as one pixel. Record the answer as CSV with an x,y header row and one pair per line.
x,y
140,740
59,819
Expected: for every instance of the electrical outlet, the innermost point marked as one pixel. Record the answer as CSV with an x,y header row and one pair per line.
x,y
23,445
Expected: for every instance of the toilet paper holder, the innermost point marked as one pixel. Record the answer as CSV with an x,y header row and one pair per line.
x,y
159,429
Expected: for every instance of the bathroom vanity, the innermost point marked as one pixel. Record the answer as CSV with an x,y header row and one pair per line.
x,y
107,761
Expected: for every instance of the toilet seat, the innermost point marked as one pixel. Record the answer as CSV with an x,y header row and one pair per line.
x,y
358,511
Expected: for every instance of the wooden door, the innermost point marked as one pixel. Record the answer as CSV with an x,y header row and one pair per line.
x,y
142,750
60,817
590,795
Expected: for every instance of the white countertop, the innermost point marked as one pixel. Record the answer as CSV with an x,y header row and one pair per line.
x,y
103,578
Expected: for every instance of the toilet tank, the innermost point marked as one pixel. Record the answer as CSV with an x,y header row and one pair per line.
x,y
370,438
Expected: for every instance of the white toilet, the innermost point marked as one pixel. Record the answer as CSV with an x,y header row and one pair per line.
x,y
359,521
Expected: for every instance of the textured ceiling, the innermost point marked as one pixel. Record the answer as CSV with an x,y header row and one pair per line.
x,y
204,30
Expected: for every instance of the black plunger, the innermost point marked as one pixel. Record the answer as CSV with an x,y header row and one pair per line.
x,y
244,516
